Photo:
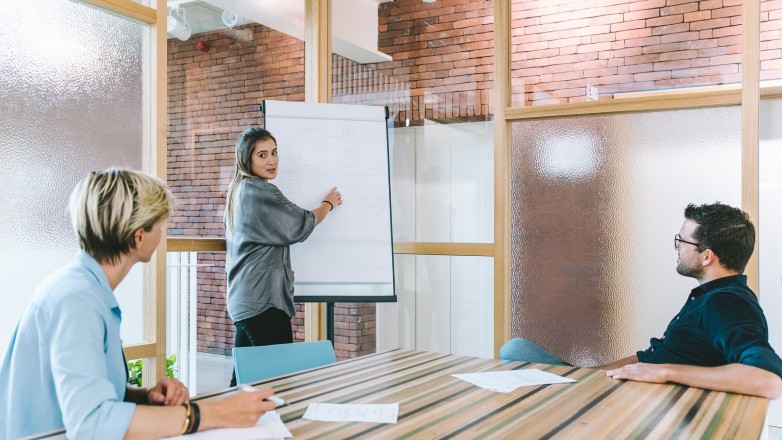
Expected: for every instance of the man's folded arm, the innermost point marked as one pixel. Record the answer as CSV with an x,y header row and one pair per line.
x,y
734,378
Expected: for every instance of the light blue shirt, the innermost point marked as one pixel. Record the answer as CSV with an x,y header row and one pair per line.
x,y
64,366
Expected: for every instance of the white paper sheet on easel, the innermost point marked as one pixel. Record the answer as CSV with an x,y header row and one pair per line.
x,y
507,381
337,412
269,426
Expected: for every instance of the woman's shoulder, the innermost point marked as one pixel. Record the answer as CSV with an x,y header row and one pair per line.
x,y
259,184
257,187
68,290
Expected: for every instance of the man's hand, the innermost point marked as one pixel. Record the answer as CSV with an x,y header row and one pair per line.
x,y
641,372
732,378
168,391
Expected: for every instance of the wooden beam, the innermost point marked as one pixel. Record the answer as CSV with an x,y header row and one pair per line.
x,y
131,9
159,166
750,103
456,249
502,175
195,244
317,88
140,351
709,98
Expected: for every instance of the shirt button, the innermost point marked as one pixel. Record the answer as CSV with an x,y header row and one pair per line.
x,y
652,348
677,317
692,298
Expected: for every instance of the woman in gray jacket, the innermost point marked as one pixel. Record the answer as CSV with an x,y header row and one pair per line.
x,y
261,224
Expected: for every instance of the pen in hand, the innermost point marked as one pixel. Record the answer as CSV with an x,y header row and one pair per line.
x,y
277,400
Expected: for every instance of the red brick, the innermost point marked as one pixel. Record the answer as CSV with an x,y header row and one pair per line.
x,y
711,4
710,24
727,12
665,20
679,9
642,14
636,33
683,36
627,25
696,16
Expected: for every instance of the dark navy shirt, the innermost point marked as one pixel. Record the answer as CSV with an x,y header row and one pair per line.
x,y
721,323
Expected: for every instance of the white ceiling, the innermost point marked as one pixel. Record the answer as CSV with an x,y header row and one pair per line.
x,y
354,26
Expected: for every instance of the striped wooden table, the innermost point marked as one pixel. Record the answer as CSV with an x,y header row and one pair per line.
x,y
433,404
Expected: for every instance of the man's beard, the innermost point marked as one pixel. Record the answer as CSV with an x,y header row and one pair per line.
x,y
688,271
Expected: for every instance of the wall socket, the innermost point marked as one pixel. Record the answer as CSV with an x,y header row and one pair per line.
x,y
591,92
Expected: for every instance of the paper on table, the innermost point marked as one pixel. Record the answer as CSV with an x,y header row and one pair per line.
x,y
269,426
507,381
336,412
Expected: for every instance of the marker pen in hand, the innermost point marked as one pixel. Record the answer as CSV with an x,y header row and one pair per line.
x,y
277,400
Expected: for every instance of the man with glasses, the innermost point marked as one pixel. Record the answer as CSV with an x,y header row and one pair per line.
x,y
719,339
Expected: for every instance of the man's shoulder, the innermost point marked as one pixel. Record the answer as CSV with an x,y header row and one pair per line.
x,y
732,288
726,305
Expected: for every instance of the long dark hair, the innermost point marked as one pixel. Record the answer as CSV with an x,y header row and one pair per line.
x,y
244,151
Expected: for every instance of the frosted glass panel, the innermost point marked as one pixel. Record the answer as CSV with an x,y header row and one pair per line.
x,y
770,231
596,202
445,304
71,100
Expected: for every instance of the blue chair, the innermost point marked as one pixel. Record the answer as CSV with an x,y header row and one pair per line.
x,y
257,363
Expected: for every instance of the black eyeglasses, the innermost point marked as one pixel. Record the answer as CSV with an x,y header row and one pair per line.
x,y
677,241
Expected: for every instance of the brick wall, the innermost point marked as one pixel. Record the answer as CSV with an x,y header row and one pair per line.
x,y
628,46
442,63
443,53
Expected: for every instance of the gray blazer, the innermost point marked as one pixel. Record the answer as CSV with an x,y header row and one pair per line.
x,y
258,263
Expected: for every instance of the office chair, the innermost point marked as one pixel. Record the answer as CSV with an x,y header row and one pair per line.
x,y
257,363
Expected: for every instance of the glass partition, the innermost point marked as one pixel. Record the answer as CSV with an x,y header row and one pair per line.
x,y
71,101
596,201
224,59
566,52
445,305
431,65
434,75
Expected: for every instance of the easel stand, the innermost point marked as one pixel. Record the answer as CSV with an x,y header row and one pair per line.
x,y
330,322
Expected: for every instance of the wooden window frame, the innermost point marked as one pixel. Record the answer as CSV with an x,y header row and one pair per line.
x,y
153,351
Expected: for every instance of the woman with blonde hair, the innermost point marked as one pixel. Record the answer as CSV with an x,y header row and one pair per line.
x,y
261,224
65,367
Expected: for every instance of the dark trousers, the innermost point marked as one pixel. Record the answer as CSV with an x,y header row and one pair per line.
x,y
269,328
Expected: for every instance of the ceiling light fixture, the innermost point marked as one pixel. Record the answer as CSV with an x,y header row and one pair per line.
x,y
230,19
428,1
177,26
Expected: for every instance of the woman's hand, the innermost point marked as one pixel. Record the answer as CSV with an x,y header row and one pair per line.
x,y
330,201
236,410
168,391
334,197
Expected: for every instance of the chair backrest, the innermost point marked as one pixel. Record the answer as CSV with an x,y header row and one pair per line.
x,y
257,363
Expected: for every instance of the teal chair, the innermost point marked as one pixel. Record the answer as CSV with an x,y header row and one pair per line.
x,y
257,363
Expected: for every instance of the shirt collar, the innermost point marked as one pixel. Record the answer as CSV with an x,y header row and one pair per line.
x,y
719,283
93,267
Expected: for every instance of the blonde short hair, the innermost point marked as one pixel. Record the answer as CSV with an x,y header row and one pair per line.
x,y
109,206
